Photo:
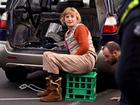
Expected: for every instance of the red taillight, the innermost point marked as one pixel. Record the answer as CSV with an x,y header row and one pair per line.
x,y
110,25
3,24
3,21
110,29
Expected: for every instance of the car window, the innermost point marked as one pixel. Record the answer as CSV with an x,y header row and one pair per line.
x,y
86,3
2,5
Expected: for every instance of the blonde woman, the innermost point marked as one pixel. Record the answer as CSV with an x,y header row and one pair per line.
x,y
81,59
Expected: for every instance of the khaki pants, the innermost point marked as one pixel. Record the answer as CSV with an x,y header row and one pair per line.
x,y
77,64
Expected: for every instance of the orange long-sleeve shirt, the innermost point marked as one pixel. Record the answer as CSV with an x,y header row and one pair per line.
x,y
81,35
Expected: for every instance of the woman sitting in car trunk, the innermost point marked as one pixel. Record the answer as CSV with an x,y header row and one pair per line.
x,y
81,59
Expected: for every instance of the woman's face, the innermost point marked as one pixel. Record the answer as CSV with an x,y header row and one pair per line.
x,y
70,19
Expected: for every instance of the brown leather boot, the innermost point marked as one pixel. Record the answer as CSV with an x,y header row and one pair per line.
x,y
56,92
47,91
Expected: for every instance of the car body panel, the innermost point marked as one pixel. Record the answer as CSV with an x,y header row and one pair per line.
x,y
3,26
3,34
11,57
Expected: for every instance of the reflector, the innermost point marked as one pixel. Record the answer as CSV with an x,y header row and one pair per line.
x,y
3,24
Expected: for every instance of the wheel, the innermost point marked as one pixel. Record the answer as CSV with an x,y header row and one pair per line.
x,y
17,74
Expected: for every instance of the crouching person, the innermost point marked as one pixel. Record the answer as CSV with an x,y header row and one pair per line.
x,y
81,59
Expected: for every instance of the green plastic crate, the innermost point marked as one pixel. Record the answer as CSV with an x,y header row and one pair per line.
x,y
81,87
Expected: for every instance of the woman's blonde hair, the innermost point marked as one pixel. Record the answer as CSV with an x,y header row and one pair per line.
x,y
70,10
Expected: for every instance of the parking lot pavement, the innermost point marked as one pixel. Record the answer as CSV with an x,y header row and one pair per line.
x,y
103,97
12,95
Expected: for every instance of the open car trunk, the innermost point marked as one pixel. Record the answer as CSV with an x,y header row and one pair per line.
x,y
33,27
48,34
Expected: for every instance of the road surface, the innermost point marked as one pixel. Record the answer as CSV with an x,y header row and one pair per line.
x,y
11,94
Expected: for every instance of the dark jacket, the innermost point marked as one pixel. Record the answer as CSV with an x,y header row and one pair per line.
x,y
128,73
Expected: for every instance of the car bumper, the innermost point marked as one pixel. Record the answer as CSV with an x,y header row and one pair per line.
x,y
11,58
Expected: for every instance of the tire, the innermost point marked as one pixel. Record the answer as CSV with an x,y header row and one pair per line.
x,y
17,74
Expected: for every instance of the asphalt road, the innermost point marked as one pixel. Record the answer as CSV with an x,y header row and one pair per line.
x,y
11,94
